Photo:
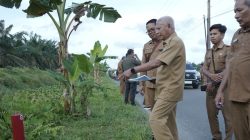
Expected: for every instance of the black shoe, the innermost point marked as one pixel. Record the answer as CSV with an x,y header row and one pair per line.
x,y
153,138
133,104
147,107
216,139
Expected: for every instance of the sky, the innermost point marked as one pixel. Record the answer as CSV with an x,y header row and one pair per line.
x,y
129,32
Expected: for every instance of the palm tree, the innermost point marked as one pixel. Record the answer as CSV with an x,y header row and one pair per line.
x,y
8,45
17,50
39,52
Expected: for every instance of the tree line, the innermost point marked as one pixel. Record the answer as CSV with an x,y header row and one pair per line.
x,y
24,49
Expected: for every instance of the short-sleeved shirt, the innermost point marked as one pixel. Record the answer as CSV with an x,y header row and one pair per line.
x,y
119,68
150,52
170,75
130,62
239,67
216,63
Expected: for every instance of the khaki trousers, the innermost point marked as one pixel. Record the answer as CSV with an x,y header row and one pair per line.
x,y
122,87
162,120
149,97
212,113
241,120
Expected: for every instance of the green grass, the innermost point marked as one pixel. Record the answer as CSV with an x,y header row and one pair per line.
x,y
12,79
45,119
110,120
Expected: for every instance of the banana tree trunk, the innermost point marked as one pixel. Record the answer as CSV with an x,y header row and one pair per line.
x,y
70,94
73,96
97,73
85,103
67,100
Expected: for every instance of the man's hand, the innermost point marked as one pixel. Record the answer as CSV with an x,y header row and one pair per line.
x,y
219,98
209,87
142,89
121,77
126,74
216,77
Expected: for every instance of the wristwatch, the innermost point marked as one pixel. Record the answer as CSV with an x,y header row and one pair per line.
x,y
132,70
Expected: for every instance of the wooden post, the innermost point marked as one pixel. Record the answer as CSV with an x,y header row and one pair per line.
x,y
17,127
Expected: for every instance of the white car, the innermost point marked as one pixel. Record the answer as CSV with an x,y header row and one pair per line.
x,y
192,76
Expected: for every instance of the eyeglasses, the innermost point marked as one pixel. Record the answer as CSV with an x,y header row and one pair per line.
x,y
150,30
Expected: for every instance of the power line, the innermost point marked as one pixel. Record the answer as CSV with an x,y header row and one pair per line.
x,y
167,6
222,13
195,27
200,23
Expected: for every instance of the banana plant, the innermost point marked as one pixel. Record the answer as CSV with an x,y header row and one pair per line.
x,y
75,67
64,24
97,54
79,68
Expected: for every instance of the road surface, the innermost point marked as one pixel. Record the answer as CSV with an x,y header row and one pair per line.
x,y
191,115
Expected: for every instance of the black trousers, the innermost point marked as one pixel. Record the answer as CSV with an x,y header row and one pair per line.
x,y
130,90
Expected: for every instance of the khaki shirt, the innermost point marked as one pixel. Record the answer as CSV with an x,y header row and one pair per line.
x,y
119,68
239,67
220,54
170,76
150,52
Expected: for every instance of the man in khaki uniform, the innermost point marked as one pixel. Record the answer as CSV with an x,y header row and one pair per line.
x,y
122,80
170,66
213,69
150,51
237,78
201,73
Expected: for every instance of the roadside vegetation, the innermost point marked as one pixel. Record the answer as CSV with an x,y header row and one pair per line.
x,y
30,85
41,104
80,102
13,79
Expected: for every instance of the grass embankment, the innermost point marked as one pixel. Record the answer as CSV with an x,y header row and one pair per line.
x,y
45,119
12,79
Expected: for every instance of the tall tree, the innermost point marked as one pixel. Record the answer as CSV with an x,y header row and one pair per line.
x,y
21,49
39,52
8,44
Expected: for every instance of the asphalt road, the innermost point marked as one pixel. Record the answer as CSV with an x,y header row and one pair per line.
x,y
192,118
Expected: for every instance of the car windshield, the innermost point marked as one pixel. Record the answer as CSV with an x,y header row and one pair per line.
x,y
189,67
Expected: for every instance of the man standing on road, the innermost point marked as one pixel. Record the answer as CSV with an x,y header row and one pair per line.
x,y
130,61
150,52
213,69
122,79
170,64
237,78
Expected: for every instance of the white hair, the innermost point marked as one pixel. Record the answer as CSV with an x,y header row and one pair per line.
x,y
169,21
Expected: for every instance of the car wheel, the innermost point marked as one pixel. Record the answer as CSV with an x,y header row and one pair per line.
x,y
195,86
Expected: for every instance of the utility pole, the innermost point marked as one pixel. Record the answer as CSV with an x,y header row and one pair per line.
x,y
208,25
